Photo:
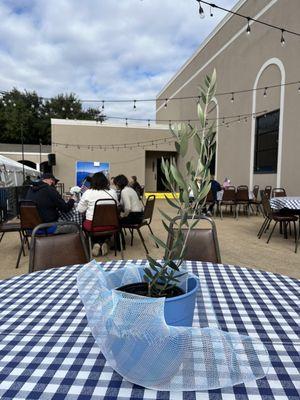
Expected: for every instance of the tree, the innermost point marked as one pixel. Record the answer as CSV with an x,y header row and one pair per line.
x,y
27,113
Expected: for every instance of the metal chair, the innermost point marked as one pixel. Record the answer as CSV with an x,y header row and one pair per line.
x,y
284,221
267,191
202,243
255,201
278,192
228,199
105,223
30,218
148,214
57,250
242,199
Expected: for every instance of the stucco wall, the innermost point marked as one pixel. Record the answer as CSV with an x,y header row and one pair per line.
x,y
128,161
238,65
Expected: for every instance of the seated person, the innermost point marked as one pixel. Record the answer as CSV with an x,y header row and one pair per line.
x,y
226,183
132,208
99,190
135,185
49,202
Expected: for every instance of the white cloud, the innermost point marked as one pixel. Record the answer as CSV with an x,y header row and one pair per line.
x,y
103,49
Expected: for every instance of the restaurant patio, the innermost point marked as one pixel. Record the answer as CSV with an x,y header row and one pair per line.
x,y
238,241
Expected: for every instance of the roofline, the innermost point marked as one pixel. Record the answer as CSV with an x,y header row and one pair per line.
x,y
203,44
74,122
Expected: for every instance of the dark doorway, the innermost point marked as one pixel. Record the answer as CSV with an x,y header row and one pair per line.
x,y
161,176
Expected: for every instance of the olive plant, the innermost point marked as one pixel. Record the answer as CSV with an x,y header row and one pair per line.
x,y
196,180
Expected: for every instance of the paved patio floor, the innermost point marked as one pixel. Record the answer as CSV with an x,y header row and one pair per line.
x,y
239,245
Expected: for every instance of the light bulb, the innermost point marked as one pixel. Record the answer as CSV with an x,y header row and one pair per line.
x,y
201,11
248,31
282,40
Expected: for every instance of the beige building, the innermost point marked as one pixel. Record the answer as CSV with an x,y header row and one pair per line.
x,y
129,150
257,131
265,149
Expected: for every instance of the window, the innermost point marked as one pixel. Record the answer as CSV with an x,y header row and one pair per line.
x,y
266,143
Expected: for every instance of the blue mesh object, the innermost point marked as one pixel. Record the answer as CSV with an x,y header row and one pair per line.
x,y
138,344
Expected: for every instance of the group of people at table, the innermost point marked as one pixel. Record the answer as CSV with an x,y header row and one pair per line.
x,y
97,187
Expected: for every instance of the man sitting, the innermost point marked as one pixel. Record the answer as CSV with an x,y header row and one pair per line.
x,y
49,202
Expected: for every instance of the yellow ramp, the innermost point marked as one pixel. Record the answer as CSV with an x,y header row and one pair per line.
x,y
161,195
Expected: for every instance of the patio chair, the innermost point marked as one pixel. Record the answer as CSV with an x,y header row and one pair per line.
x,y
228,199
255,201
30,218
105,223
267,191
202,243
278,192
284,220
242,199
148,214
52,251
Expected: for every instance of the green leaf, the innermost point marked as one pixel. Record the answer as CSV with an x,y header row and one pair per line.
x,y
197,143
165,215
201,115
172,203
183,145
178,177
177,147
159,241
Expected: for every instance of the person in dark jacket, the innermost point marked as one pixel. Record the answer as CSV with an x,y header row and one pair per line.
x,y
49,202
135,185
215,188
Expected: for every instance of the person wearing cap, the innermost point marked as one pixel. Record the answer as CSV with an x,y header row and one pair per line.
x,y
49,202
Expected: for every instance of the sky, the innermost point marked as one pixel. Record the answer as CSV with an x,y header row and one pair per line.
x,y
100,49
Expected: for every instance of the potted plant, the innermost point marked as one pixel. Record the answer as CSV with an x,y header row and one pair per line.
x,y
163,278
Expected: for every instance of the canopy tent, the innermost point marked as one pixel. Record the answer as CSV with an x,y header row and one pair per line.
x,y
11,172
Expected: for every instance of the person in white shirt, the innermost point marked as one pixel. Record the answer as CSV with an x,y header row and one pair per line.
x,y
99,190
132,208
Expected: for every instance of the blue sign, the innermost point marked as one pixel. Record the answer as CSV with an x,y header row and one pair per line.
x,y
89,168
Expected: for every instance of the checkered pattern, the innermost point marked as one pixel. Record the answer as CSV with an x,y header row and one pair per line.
x,y
73,216
48,352
277,203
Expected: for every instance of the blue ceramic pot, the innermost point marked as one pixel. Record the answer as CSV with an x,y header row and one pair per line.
x,y
179,310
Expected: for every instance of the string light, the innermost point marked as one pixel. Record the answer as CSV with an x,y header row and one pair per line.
x,y
248,18
232,97
299,88
201,11
248,31
126,122
196,97
134,105
282,40
166,103
210,11
148,123
265,92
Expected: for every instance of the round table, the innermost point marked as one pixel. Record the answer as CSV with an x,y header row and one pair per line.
x,y
48,352
290,202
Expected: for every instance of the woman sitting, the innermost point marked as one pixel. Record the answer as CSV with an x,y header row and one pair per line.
x,y
99,190
136,186
132,208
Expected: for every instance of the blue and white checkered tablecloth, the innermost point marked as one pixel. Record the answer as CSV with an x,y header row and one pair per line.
x,y
278,203
48,352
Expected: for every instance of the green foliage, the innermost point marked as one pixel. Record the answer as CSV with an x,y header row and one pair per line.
x,y
196,177
27,112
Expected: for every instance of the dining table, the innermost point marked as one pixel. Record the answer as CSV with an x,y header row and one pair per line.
x,y
286,202
47,350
